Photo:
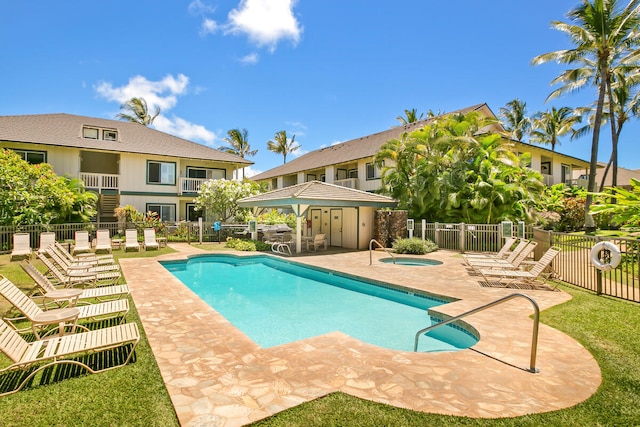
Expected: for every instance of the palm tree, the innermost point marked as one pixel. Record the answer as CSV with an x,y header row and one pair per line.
x,y
549,125
139,112
515,119
599,31
410,116
282,145
238,140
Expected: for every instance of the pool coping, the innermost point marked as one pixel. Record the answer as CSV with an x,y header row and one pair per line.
x,y
216,375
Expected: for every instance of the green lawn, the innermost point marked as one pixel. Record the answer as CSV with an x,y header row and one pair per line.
x,y
135,394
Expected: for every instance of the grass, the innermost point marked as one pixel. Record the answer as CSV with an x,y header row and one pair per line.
x,y
135,394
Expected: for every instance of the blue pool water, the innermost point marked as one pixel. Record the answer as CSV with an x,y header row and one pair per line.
x,y
410,261
276,302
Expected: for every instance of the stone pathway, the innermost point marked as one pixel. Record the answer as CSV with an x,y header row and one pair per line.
x,y
217,376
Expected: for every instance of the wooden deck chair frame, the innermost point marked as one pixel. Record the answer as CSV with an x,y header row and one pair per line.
x,y
51,296
53,351
21,246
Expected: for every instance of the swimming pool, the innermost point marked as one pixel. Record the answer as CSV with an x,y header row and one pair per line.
x,y
410,261
275,302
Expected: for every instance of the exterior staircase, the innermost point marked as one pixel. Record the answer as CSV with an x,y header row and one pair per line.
x,y
106,205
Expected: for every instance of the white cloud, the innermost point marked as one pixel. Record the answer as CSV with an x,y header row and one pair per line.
x,y
251,58
209,26
196,7
164,94
265,22
299,152
249,171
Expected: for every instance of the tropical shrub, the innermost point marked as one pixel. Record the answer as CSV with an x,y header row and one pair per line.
x,y
414,246
272,216
626,210
130,215
561,208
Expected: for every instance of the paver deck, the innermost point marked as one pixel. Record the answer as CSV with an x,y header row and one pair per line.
x,y
217,376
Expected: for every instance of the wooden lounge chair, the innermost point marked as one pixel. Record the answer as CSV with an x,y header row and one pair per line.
x,y
510,258
58,297
511,263
318,240
60,316
82,242
508,278
150,239
64,350
103,241
131,240
503,253
47,238
21,246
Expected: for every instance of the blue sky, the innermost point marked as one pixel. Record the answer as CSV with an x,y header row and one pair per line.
x,y
325,71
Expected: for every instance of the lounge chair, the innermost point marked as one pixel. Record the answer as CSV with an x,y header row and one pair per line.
x,y
529,277
79,265
47,239
503,253
60,316
150,239
89,258
78,277
21,246
64,350
82,242
49,293
511,263
318,240
131,240
103,241
510,258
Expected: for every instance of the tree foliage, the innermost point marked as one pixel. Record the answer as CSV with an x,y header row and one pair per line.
x,y
282,144
626,210
449,171
219,198
34,194
137,112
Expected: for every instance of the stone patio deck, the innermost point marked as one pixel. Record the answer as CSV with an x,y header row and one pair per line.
x,y
217,376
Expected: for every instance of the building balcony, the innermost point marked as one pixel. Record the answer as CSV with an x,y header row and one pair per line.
x,y
100,181
349,183
190,185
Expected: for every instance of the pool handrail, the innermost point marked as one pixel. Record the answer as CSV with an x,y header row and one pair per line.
x,y
383,248
536,323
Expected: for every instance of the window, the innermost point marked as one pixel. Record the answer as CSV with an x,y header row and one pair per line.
x,y
109,135
167,213
33,157
353,173
565,172
373,171
341,174
204,173
311,177
322,178
90,133
161,173
193,214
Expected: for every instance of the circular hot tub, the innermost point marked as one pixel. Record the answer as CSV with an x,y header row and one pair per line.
x,y
410,261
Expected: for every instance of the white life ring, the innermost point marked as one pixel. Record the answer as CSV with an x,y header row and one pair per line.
x,y
614,252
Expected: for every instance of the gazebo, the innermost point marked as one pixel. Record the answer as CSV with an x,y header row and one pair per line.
x,y
299,198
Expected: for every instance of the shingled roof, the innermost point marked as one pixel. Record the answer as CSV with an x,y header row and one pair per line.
x,y
65,130
355,149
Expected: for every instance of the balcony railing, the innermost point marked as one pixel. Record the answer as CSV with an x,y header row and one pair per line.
x,y
349,183
190,185
100,181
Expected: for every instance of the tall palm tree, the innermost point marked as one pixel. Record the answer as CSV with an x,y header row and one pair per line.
x,y
515,120
548,126
139,113
238,144
283,145
599,30
410,116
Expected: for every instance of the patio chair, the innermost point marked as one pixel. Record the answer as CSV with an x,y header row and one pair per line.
x,y
21,246
47,239
82,242
510,258
131,239
50,294
60,317
87,258
150,239
79,265
511,263
503,253
529,277
64,350
318,240
103,241
70,278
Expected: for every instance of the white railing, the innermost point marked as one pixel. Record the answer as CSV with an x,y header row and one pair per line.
x,y
101,181
349,183
190,185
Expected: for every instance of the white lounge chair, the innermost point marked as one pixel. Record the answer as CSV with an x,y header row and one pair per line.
x,y
511,263
64,350
80,265
21,246
150,241
318,241
103,241
71,278
508,278
47,238
82,242
87,258
131,240
503,253
510,258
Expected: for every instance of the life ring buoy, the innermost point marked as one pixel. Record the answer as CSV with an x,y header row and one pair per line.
x,y
614,253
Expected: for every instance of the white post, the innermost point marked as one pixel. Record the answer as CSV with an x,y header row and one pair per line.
x,y
200,229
